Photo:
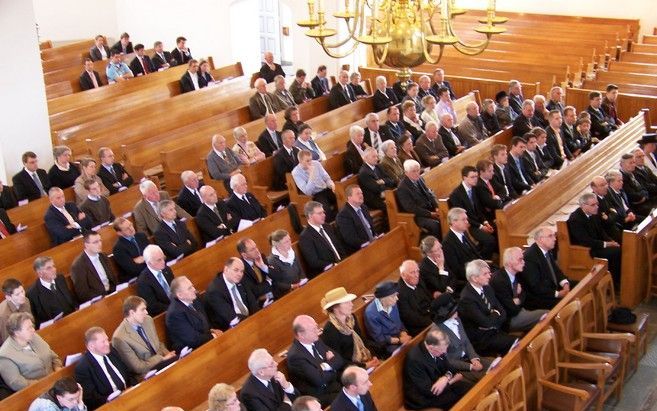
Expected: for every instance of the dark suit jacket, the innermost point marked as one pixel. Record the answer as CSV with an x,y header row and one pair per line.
x,y
343,403
95,55
537,282
181,58
320,86
486,200
351,227
634,190
457,255
95,385
124,251
352,160
26,188
110,181
316,251
396,130
517,175
86,83
306,373
158,62
266,144
8,198
414,307
256,396
367,180
647,179
187,85
448,141
587,232
382,101
521,125
613,204
137,68
150,290
416,199
56,224
186,327
553,146
536,170
283,163
86,281
600,126
505,191
175,243
268,74
420,373
241,210
477,320
516,104
219,303
356,90
284,274
432,279
117,47
384,134
209,222
501,285
338,97
7,222
188,201
435,87
474,209
250,281
47,304
546,156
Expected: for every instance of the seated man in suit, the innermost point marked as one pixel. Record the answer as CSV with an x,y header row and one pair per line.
x,y
99,51
613,208
353,156
305,142
465,197
312,179
285,160
128,249
515,96
285,98
266,388
300,89
414,299
89,78
136,340
154,282
228,301
433,274
182,54
373,180
424,83
96,206
320,83
520,178
457,246
189,197
430,381
532,161
263,102
585,229
162,59
482,314
609,105
542,280
412,90
450,135
222,163
256,270
269,141
319,246
15,301
31,182
472,128
340,95
112,174
429,146
191,80
384,96
213,219
354,85
173,236
7,228
269,69
124,45
509,292
488,198
523,123
638,194
63,219
601,124
643,174
354,222
313,368
100,371
141,64
394,125
375,133
117,71
91,271
439,82
556,143
355,391
242,204
147,218
502,180
542,149
186,322
50,294
413,196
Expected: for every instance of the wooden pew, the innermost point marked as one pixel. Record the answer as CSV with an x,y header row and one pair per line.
x,y
627,105
63,88
642,89
32,213
627,78
630,67
71,48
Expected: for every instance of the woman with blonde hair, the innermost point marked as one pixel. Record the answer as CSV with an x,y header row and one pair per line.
x,y
284,268
223,397
88,168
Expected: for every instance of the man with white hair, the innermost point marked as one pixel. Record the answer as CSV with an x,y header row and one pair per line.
x,y
269,69
189,197
147,218
458,247
472,128
154,282
262,102
128,249
523,123
430,148
353,156
451,135
515,96
266,389
242,204
373,180
340,94
269,141
222,163
375,134
384,96
414,299
213,219
482,314
424,83
555,102
172,235
414,196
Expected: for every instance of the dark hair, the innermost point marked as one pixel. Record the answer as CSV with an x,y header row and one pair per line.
x,y
131,303
594,94
467,170
517,140
125,35
115,52
9,285
321,68
527,136
88,234
482,165
139,47
303,128
179,39
63,386
300,73
241,245
288,112
88,59
28,154
611,87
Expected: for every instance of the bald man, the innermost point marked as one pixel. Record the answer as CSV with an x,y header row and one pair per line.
x,y
269,69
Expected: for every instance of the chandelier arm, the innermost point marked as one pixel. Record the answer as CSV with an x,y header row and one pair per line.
x,y
338,55
472,49
381,60
427,53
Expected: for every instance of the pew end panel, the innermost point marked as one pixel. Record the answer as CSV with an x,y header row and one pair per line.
x,y
574,260
396,218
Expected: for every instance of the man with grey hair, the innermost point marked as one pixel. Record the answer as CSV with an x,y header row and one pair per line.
x,y
424,85
482,314
450,135
242,204
285,98
515,97
353,156
263,102
384,96
319,246
523,123
373,180
145,213
112,174
472,128
585,229
189,198
414,197
609,215
430,148
618,204
270,70
172,235
643,174
269,141
306,403
222,162
213,219
50,294
375,135
266,388
414,302
340,94
458,247
509,292
154,282
555,102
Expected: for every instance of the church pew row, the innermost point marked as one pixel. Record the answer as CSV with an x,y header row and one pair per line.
x,y
644,48
33,211
52,53
638,57
518,220
62,88
627,78
627,105
628,88
629,67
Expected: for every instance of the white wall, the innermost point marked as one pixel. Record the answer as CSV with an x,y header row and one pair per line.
x,y
68,20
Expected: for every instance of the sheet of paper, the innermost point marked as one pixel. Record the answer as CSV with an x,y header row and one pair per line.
x,y
244,224
72,359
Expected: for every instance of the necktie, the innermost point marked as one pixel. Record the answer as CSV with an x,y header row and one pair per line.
x,y
359,403
68,216
238,301
111,170
469,191
366,224
163,282
93,79
258,273
490,187
53,287
376,142
514,285
548,257
328,239
246,200
133,240
118,381
4,233
274,139
37,181
143,64
142,334
270,386
652,159
265,100
520,170
483,297
317,354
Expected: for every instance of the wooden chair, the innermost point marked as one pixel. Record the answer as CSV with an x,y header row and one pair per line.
x,y
651,243
606,301
512,391
580,346
492,402
553,394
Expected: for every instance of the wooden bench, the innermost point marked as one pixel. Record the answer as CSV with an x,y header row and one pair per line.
x,y
627,105
52,53
33,212
641,89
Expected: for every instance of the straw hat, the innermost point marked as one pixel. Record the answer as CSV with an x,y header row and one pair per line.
x,y
336,296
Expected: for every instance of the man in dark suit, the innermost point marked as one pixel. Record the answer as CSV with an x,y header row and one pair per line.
x,y
6,226
450,136
141,64
643,174
91,271
556,144
413,196
482,314
191,81
440,82
173,236
313,368
375,133
373,180
354,222
99,381
488,197
182,54
320,83
353,155
256,271
227,300
128,249
601,126
502,181
269,69
433,274
49,295
543,151
429,379
64,220
31,182
520,178
457,246
354,395
266,389
384,96
7,197
285,160
614,206
523,123
394,126
270,140
638,195
414,299
532,161
340,95
430,148
89,78
465,197
189,196
242,204
113,175
154,282
186,322
585,229
124,45
424,87
95,52
213,219
515,96
162,59
319,246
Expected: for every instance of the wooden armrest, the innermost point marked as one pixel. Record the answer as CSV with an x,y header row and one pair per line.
x,y
627,337
587,357
581,394
604,366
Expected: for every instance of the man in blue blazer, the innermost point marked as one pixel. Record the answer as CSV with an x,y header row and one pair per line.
x,y
354,222
64,220
354,395
173,236
128,249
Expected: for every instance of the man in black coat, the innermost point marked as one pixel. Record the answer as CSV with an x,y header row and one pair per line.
x,y
95,383
414,299
88,76
502,180
50,295
270,140
638,195
520,178
266,389
186,81
154,282
313,368
585,229
227,300
182,54
64,220
532,161
172,235
128,249
31,182
486,194
124,45
285,160
354,222
162,59
523,123
601,125
212,218
457,246
374,181
320,247
113,175
556,143
256,271
189,197
320,83
269,69
7,197
433,274
355,385
242,204
413,196
141,64
384,96
8,227
353,155
340,94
